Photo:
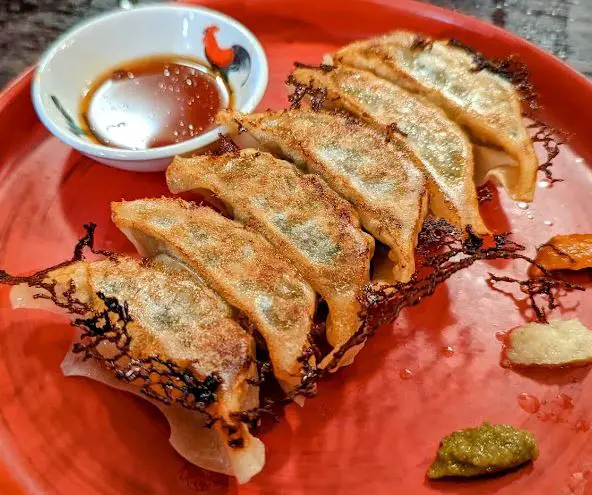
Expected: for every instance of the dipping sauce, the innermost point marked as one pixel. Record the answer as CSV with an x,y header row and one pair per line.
x,y
153,102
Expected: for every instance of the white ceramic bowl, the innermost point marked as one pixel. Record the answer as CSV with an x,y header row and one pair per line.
x,y
80,56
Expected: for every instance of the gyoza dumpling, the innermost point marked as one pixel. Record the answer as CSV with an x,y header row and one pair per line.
x,y
240,265
311,225
383,180
177,319
439,143
487,105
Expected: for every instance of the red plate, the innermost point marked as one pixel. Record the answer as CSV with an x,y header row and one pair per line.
x,y
368,431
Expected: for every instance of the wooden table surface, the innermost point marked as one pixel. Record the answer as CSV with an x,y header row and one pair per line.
x,y
563,27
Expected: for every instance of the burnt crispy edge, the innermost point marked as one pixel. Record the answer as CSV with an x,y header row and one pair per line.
x,y
514,70
160,379
442,250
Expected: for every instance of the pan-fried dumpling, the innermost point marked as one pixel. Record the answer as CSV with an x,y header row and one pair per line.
x,y
439,143
238,264
177,319
310,224
479,100
381,179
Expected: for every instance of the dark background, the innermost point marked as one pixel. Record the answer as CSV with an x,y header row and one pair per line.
x,y
563,27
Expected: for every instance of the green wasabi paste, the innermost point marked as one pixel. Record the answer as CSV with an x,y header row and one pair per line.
x,y
485,450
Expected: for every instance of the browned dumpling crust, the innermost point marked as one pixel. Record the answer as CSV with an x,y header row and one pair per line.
x,y
176,318
317,230
381,179
440,144
479,100
238,264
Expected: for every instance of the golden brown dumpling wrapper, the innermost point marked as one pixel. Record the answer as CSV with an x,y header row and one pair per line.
x,y
240,265
439,143
318,231
484,103
177,318
382,180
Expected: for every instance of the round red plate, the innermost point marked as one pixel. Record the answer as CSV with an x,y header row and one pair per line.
x,y
368,431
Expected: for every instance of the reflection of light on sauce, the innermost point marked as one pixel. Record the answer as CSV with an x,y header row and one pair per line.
x,y
153,102
529,403
501,336
522,205
548,223
405,374
448,351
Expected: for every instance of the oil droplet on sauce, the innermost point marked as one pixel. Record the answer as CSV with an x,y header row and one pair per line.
x,y
448,351
146,103
405,374
548,223
522,205
529,403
